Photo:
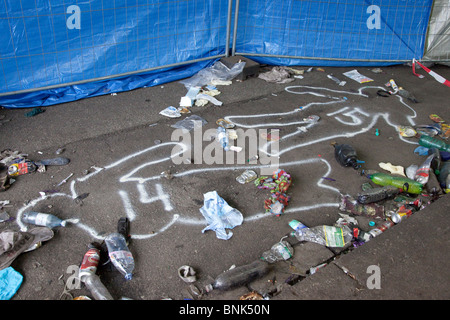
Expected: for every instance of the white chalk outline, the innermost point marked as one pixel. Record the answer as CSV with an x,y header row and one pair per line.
x,y
177,217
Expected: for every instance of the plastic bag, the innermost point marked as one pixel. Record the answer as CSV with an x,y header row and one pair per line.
x,y
189,123
218,71
219,215
10,282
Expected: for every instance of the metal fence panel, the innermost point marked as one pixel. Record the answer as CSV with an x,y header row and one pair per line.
x,y
55,43
332,32
438,39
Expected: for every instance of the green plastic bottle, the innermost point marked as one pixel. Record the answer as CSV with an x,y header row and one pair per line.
x,y
403,183
430,142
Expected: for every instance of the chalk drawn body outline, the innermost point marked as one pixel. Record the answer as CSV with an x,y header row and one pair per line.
x,y
178,217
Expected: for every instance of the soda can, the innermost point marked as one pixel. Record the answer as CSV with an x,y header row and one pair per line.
x,y
90,262
379,230
402,213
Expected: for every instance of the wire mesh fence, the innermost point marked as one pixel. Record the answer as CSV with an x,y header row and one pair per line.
x,y
51,43
350,30
56,43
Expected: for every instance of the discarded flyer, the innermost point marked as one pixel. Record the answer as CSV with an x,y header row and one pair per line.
x,y
358,77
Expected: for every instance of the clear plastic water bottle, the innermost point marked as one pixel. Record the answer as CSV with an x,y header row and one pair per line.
x,y
222,137
329,236
423,172
280,251
121,257
239,276
42,219
96,287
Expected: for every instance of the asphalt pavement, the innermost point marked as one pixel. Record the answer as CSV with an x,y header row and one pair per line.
x,y
122,163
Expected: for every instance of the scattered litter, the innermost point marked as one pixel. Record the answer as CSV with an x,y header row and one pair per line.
x,y
407,95
436,118
376,70
406,131
65,180
247,176
219,215
45,219
34,112
358,77
81,197
278,185
280,251
392,169
217,74
329,236
187,274
428,130
202,99
171,112
251,296
189,99
371,195
190,123
393,85
339,82
371,210
239,276
278,74
10,282
313,270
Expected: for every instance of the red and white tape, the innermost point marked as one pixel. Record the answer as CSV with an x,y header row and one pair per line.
x,y
430,72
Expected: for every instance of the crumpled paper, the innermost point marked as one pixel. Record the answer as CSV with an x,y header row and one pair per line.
x,y
219,215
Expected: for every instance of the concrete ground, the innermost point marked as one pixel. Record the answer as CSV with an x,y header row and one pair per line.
x,y
119,146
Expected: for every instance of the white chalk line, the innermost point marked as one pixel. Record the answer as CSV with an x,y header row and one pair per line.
x,y
176,217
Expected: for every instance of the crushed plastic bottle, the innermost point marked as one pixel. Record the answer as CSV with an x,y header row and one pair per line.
x,y
246,176
431,142
43,219
281,250
121,257
87,275
239,276
346,155
406,184
423,172
377,194
222,138
329,236
444,177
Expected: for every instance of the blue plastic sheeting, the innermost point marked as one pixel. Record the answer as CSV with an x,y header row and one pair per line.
x,y
336,29
57,42
50,97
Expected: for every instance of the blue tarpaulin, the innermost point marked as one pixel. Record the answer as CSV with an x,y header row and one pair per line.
x,y
85,48
333,32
